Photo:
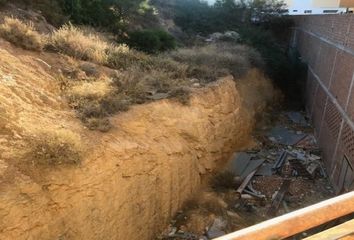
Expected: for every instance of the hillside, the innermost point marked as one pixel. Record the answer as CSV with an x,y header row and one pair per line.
x,y
101,141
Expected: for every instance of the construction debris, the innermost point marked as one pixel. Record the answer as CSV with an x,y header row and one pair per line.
x,y
265,170
243,164
245,182
272,180
239,163
297,118
216,230
279,197
284,136
280,162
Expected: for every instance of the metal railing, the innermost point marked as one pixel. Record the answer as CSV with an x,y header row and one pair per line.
x,y
301,220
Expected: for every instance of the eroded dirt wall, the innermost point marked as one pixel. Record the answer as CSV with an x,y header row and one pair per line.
x,y
132,179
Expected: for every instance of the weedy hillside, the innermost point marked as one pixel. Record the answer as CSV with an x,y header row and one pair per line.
x,y
106,77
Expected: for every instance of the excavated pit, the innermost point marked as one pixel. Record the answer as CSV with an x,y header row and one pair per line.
x,y
133,179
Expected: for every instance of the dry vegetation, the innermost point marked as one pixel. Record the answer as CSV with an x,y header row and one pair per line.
x,y
95,101
206,201
224,181
121,57
138,78
84,45
210,62
55,147
143,78
21,34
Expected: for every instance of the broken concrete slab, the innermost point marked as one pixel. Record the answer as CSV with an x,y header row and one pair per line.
x,y
297,117
265,170
251,166
242,164
285,136
217,229
239,163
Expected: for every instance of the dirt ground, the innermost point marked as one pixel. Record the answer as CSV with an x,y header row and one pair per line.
x,y
219,209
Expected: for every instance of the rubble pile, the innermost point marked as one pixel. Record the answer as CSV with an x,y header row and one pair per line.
x,y
283,174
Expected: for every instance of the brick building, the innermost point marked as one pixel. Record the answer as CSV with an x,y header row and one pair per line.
x,y
326,43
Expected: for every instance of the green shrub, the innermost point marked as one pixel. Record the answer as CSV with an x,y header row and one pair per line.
x,y
151,41
3,2
167,41
284,67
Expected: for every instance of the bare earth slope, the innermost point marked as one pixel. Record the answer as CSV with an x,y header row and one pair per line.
x,y
131,180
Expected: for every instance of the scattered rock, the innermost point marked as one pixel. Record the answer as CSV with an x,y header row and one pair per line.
x,y
217,229
7,80
159,96
226,36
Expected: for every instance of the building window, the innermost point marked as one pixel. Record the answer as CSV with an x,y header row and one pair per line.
x,y
330,11
294,10
308,11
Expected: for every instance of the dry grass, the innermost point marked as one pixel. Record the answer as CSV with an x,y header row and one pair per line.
x,y
21,34
224,181
208,202
95,101
81,44
181,94
94,89
100,124
90,70
121,57
143,78
140,77
208,63
60,147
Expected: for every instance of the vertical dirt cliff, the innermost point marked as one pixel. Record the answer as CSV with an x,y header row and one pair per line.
x,y
133,179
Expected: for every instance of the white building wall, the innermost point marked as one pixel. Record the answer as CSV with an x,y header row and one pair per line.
x,y
303,7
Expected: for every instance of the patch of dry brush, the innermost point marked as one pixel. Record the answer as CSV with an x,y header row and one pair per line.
x,y
21,34
210,62
143,78
54,147
75,42
138,77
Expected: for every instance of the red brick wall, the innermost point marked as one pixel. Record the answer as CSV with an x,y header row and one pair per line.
x,y
326,43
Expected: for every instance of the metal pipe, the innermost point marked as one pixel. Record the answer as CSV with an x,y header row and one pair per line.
x,y
298,221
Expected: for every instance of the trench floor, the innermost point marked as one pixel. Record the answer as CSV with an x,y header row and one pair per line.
x,y
285,172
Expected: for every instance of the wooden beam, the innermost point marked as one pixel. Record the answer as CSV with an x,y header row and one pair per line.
x,y
298,221
341,231
272,211
245,182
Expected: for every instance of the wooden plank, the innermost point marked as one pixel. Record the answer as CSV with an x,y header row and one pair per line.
x,y
298,221
341,231
279,198
245,182
351,237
